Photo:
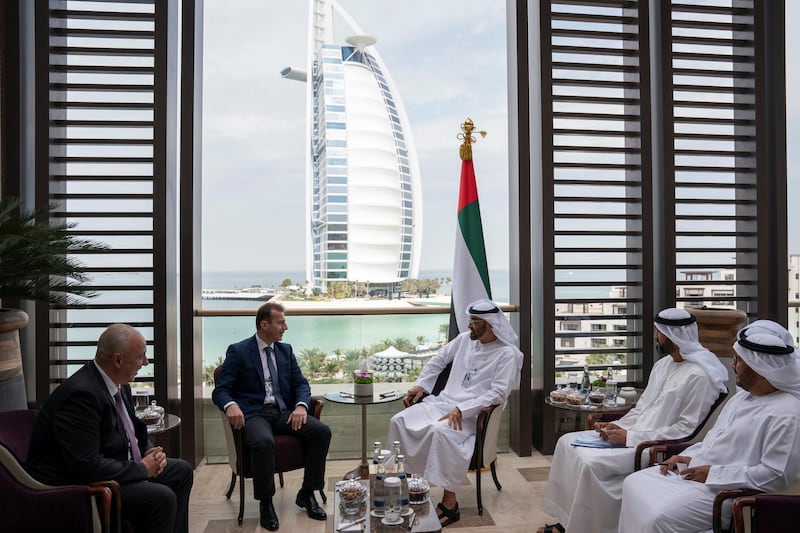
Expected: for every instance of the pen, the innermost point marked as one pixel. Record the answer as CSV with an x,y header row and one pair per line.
x,y
345,395
387,394
349,524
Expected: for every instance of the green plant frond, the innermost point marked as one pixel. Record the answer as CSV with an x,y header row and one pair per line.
x,y
38,256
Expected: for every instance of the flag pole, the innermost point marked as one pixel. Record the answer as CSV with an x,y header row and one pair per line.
x,y
470,270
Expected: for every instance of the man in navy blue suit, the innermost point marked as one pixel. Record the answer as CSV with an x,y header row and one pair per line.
x,y
263,405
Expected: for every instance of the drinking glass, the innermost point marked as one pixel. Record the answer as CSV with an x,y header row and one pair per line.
x,y
611,392
393,503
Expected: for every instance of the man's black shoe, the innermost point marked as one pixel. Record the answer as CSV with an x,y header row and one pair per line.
x,y
269,519
306,500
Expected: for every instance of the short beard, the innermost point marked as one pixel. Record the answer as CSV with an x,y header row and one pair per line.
x,y
665,349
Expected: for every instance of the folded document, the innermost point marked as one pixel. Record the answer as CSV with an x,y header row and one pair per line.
x,y
595,441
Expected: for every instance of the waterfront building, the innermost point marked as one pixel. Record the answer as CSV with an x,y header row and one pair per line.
x,y
603,341
363,194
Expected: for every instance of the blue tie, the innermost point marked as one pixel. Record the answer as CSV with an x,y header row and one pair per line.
x,y
276,386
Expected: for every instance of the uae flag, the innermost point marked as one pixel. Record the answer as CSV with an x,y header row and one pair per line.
x,y
470,271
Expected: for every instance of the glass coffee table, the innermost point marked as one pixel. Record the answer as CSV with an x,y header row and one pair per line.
x,y
422,518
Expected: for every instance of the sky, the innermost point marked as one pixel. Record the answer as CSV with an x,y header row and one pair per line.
x,y
448,60
448,64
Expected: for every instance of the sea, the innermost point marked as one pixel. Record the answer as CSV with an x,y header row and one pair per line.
x,y
325,333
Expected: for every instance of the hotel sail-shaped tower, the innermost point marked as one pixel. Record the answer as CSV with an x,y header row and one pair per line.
x,y
363,191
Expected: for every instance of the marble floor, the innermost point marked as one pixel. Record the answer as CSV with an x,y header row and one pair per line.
x,y
514,509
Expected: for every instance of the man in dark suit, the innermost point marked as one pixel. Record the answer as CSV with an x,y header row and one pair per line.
x,y
86,431
253,399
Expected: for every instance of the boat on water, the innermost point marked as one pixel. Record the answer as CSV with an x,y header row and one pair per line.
x,y
248,293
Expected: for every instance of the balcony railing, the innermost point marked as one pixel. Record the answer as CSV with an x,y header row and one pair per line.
x,y
348,333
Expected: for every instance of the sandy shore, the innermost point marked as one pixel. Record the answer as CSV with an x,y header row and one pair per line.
x,y
370,303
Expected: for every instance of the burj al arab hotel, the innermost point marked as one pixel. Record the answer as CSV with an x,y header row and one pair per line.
x,y
363,192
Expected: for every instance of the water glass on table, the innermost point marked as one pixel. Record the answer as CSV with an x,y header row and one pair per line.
x,y
393,503
611,393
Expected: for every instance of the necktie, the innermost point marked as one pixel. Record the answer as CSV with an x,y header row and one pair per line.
x,y
276,386
122,412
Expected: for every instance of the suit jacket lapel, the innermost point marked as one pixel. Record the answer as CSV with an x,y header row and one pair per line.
x,y
282,366
255,360
112,404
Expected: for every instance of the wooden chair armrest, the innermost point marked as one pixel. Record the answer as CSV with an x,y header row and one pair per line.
x,y
483,418
668,447
317,404
655,450
481,433
637,460
109,496
739,504
716,516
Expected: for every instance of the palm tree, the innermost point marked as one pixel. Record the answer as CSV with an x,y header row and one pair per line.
x,y
444,330
353,360
312,361
331,367
402,344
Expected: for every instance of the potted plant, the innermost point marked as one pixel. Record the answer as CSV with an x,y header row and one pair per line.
x,y
35,264
362,382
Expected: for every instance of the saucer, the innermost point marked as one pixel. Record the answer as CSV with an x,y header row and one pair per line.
x,y
387,522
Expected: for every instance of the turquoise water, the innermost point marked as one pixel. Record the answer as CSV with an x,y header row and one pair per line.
x,y
326,333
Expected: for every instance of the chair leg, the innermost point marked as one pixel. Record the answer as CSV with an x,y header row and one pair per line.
x,y
478,489
494,475
233,485
280,477
322,495
241,500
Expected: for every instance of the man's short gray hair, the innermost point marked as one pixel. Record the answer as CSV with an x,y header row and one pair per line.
x,y
113,340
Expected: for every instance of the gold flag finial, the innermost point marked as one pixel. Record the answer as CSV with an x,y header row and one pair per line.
x,y
465,150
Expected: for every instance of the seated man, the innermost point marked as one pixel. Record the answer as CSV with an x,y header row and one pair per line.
x,y
263,405
584,488
486,367
86,432
754,444
769,327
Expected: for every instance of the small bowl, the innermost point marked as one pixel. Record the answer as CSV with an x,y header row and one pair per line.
x,y
574,399
596,397
558,396
629,393
418,489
